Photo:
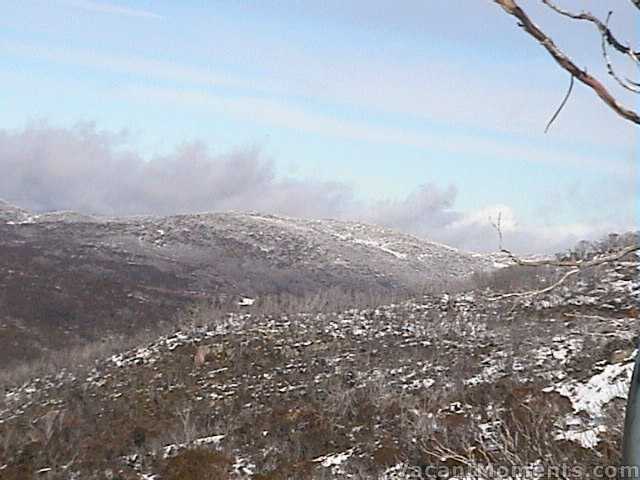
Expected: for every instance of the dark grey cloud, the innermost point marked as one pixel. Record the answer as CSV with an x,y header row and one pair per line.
x,y
47,168
427,209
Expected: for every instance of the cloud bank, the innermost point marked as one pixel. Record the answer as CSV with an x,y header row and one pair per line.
x,y
47,168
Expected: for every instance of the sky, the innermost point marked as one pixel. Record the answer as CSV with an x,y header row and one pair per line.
x,y
426,116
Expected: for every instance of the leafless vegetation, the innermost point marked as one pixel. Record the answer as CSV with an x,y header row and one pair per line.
x,y
78,359
608,40
197,464
405,383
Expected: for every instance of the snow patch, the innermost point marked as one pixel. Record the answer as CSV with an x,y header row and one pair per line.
x,y
592,396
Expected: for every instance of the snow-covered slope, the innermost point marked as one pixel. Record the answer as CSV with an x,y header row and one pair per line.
x,y
68,277
11,214
376,393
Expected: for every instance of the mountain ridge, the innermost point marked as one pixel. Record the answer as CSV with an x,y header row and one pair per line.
x,y
66,278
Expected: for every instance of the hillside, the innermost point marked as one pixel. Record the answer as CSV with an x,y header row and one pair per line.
x,y
67,278
390,392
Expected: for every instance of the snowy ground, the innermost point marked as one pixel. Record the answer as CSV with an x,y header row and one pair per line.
x,y
355,394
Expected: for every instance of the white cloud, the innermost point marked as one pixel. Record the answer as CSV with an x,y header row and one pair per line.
x,y
110,8
493,214
84,169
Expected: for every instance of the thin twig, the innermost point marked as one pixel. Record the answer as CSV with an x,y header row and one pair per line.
x,y
581,264
564,101
631,86
603,27
533,293
576,266
498,226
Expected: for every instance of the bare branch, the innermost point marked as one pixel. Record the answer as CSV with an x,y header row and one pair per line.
x,y
512,8
533,293
564,101
603,27
629,85
575,265
579,264
498,226
594,317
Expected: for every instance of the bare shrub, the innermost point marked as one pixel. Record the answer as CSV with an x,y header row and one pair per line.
x,y
188,429
522,435
197,464
44,427
216,311
8,439
80,358
203,352
515,278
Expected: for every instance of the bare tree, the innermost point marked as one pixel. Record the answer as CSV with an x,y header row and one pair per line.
x,y
631,442
608,40
573,266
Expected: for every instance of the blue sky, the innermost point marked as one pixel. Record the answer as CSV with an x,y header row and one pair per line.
x,y
379,95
